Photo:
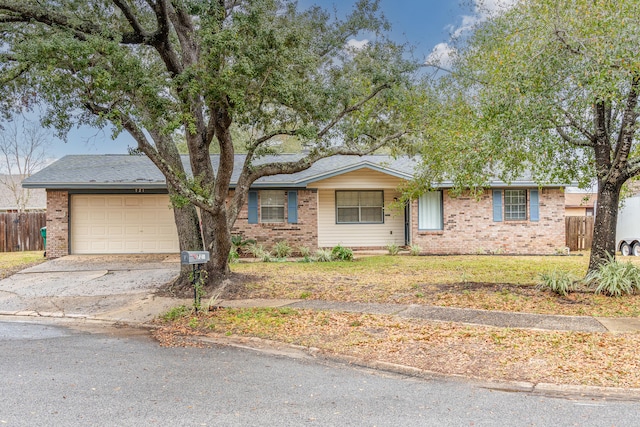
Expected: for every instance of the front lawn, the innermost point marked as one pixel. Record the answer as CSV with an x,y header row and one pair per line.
x,y
11,262
486,282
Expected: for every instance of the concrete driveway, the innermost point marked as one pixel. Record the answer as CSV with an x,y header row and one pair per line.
x,y
110,287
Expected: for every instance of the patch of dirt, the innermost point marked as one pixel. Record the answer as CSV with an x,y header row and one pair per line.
x,y
233,287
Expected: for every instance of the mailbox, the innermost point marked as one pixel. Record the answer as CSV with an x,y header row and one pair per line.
x,y
194,257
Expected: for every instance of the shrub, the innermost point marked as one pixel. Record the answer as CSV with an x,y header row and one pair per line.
x,y
341,253
233,256
323,255
614,278
557,281
415,250
260,252
282,249
304,251
393,249
238,243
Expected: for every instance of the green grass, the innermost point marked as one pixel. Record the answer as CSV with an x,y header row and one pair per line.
x,y
508,283
11,262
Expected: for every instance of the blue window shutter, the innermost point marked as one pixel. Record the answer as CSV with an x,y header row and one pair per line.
x,y
252,217
497,205
292,207
534,205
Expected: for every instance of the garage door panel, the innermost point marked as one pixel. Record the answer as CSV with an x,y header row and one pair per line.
x,y
122,224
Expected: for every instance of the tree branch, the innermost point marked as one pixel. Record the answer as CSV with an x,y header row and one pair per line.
x,y
573,141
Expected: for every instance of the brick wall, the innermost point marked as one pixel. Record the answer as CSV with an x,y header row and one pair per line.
x,y
469,227
304,233
57,223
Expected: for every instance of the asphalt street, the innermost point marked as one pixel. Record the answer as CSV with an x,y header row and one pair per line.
x,y
58,375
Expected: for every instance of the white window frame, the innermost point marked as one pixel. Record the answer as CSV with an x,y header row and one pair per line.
x,y
515,205
267,205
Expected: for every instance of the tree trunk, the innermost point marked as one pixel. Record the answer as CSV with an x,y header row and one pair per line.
x,y
217,239
189,238
604,233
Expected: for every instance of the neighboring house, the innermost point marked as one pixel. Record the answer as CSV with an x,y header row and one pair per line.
x,y
119,204
36,199
579,204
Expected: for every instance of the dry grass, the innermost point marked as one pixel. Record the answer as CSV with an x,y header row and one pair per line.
x,y
506,283
11,262
600,359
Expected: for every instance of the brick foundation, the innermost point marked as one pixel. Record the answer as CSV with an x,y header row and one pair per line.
x,y
469,227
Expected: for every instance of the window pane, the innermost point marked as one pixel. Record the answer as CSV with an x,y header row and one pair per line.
x,y
430,211
370,214
347,198
348,215
272,214
515,205
371,198
359,206
272,198
271,206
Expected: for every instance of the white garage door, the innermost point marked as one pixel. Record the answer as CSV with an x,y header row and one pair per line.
x,y
122,224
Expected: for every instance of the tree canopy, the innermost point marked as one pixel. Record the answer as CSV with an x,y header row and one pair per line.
x,y
549,88
201,68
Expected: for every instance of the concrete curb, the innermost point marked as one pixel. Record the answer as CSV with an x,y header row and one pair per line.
x,y
278,348
119,318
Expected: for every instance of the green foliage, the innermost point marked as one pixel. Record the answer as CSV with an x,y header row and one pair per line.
x,y
341,253
176,313
238,241
238,245
415,250
304,251
557,281
323,255
532,92
267,75
198,278
393,249
614,278
282,249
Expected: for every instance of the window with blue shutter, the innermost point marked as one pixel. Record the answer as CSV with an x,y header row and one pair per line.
x,y
252,216
292,207
497,205
534,205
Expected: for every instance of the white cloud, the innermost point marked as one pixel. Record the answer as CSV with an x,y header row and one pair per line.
x,y
442,55
357,44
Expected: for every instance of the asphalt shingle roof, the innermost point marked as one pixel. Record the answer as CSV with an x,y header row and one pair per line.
x,y
125,171
112,172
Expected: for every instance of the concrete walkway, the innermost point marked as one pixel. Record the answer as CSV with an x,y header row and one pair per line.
x,y
459,315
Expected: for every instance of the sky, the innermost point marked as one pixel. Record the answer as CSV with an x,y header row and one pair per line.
x,y
427,25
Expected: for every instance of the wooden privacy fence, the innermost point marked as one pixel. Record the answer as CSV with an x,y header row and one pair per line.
x,y
579,232
21,231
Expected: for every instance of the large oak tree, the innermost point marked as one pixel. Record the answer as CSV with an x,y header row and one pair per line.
x,y
200,68
550,88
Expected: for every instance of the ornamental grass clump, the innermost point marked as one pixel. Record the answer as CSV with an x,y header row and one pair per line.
x,y
614,278
282,249
558,281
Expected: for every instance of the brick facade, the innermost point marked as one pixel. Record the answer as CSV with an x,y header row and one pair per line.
x,y
469,227
57,223
303,233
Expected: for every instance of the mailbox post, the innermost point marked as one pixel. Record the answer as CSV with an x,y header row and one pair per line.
x,y
195,258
